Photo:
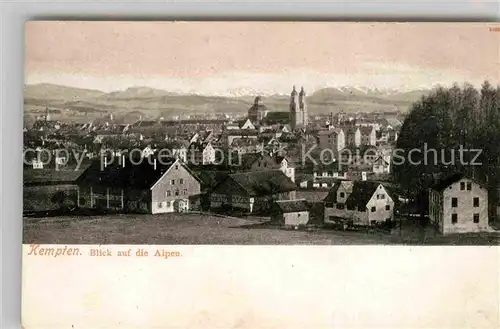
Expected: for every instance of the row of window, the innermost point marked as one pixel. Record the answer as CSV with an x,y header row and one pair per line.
x,y
168,204
176,192
172,181
454,202
341,206
454,218
462,186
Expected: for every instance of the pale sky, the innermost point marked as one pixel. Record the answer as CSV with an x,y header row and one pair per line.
x,y
232,58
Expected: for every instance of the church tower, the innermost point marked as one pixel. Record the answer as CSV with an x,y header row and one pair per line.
x,y
298,109
303,108
294,109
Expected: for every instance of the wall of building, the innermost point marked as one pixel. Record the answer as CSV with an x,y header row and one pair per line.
x,y
436,208
296,218
381,214
465,210
179,194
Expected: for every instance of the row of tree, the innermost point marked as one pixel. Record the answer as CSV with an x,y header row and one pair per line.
x,y
451,130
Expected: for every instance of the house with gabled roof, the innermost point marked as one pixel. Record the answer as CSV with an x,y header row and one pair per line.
x,y
253,191
263,161
381,165
290,212
458,204
139,185
358,203
201,153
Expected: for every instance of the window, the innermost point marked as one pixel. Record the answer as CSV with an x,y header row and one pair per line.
x,y
168,193
454,218
476,218
329,205
185,191
160,204
469,186
340,206
462,186
382,196
454,202
176,167
476,202
388,207
172,181
176,192
181,181
374,209
342,194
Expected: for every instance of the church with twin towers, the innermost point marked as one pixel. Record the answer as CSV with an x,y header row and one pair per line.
x,y
297,116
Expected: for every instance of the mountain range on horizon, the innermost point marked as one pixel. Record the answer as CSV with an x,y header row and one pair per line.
x,y
154,102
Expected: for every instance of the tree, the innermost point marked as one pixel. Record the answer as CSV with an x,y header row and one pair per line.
x,y
445,121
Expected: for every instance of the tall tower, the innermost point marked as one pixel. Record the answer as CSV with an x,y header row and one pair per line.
x,y
304,118
294,109
47,115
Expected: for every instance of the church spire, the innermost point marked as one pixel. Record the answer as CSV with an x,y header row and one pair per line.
x,y
302,91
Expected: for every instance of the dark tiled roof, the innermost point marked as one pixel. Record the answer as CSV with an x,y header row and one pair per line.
x,y
332,194
210,179
444,183
277,117
131,175
248,159
260,183
362,191
241,132
288,206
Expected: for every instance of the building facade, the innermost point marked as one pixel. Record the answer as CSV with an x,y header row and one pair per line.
x,y
361,203
459,205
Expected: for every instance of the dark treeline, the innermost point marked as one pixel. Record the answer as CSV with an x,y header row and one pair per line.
x,y
445,121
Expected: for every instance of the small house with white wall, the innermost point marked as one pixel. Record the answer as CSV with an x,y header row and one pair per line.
x,y
290,213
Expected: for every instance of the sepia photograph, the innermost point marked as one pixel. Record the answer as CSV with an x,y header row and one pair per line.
x,y
261,133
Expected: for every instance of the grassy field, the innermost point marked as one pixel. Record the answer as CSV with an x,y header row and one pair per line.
x,y
208,229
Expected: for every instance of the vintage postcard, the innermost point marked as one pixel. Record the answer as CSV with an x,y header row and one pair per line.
x,y
153,151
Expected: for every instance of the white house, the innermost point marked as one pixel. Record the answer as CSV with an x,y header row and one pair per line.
x,y
290,213
458,204
358,203
286,168
381,166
